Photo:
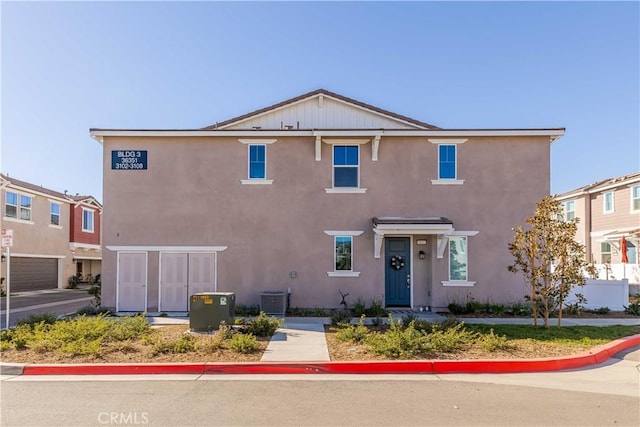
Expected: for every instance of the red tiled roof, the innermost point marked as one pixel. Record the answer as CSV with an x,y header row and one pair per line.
x,y
323,92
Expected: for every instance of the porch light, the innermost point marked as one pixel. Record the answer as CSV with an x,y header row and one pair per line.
x,y
422,255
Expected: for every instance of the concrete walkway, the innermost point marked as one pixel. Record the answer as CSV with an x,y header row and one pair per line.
x,y
300,340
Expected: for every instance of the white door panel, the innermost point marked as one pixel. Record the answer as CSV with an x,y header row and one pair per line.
x,y
132,281
173,282
202,273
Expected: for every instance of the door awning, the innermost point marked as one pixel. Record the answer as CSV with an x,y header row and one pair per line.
x,y
389,226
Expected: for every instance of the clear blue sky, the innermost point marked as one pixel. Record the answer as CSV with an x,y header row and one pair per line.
x,y
67,67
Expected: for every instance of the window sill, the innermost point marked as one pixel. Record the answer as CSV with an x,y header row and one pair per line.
x,y
447,181
458,283
87,231
21,221
345,190
256,181
343,273
57,227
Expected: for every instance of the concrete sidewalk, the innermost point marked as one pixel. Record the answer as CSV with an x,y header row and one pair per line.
x,y
299,342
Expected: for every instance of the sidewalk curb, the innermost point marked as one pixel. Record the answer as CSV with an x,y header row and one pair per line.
x,y
596,355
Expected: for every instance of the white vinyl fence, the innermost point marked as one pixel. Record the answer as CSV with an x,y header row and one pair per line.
x,y
603,293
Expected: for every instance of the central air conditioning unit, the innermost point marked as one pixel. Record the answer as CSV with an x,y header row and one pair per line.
x,y
273,302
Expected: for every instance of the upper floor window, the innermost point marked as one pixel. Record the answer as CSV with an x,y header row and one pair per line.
x,y
605,252
257,161
608,205
87,220
55,213
11,205
635,198
458,258
18,206
346,166
569,210
447,161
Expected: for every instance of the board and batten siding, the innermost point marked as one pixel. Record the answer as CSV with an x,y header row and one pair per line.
x,y
330,115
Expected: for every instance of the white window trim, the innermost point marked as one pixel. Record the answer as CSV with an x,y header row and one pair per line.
x,y
18,207
566,211
447,141
604,203
249,162
632,198
467,282
334,189
447,181
51,203
455,172
256,181
57,227
21,221
461,283
345,190
334,234
86,230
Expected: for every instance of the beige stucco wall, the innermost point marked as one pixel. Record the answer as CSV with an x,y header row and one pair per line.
x,y
620,218
191,195
38,238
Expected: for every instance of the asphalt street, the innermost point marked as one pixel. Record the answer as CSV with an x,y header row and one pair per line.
x,y
55,301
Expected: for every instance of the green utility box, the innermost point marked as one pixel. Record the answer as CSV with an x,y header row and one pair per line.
x,y
208,309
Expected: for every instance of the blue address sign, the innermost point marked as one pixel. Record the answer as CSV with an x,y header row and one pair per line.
x,y
129,159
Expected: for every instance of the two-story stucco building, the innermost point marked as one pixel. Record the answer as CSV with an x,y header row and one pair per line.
x,y
608,211
317,194
55,235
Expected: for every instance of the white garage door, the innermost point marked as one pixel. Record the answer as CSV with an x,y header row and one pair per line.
x,y
132,281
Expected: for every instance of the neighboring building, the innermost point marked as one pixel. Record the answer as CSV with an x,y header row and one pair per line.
x,y
608,211
313,195
55,235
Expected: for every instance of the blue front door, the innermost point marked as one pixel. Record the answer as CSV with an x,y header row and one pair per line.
x,y
397,271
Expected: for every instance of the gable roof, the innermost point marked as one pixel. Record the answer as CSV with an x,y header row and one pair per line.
x,y
315,94
604,184
46,191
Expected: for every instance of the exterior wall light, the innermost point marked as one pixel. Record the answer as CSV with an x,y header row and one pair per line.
x,y
422,255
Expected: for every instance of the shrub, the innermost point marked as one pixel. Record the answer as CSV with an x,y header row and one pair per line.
x,y
91,310
128,328
34,319
456,308
521,309
601,310
398,342
493,342
96,291
341,317
377,308
263,326
353,333
184,344
449,339
247,310
241,343
359,307
633,309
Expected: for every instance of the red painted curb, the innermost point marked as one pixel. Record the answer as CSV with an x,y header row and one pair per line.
x,y
592,357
